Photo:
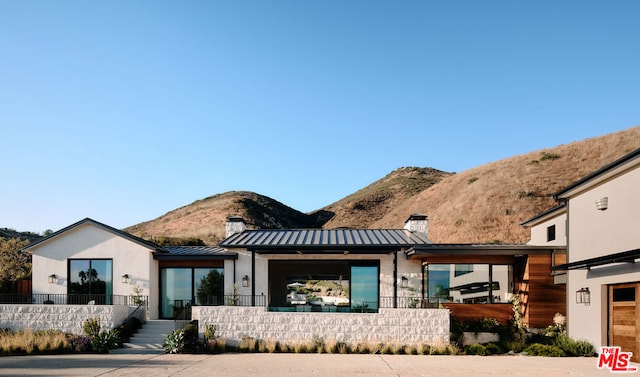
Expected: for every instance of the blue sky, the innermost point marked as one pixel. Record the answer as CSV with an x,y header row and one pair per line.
x,y
124,110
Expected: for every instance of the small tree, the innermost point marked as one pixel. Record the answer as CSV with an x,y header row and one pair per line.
x,y
14,264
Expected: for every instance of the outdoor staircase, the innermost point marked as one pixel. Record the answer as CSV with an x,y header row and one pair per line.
x,y
148,339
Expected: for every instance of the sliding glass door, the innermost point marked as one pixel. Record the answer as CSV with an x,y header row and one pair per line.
x,y
182,286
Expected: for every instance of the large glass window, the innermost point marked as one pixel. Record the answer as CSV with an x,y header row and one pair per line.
x,y
323,286
181,286
364,288
469,283
90,280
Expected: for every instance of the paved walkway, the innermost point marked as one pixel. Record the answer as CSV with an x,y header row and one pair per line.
x,y
296,365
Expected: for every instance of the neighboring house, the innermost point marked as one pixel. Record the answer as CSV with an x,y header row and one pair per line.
x,y
602,278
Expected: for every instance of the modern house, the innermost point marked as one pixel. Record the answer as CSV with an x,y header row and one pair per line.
x,y
602,213
291,284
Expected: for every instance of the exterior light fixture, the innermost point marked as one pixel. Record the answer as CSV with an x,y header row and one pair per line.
x,y
245,281
602,204
53,279
126,279
583,296
404,282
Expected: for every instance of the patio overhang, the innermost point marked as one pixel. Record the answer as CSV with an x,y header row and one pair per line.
x,y
478,250
585,264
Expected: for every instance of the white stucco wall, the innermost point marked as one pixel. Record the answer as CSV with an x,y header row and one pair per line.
x,y
539,231
593,233
406,326
88,241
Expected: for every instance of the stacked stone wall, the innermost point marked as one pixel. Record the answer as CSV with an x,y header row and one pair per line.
x,y
67,318
406,326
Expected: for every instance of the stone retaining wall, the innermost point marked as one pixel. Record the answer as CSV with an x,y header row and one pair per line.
x,y
406,326
67,318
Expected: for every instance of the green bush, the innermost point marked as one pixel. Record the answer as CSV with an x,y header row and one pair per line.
x,y
544,350
91,327
476,349
105,341
574,347
494,349
174,343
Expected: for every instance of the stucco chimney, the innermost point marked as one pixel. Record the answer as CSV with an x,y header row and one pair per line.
x,y
235,224
416,223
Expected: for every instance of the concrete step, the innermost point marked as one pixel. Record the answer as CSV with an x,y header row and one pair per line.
x,y
148,339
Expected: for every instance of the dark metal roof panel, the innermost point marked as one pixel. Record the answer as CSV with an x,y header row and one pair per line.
x,y
299,238
203,252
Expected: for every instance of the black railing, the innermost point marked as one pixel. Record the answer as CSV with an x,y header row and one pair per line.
x,y
232,300
70,299
409,302
182,315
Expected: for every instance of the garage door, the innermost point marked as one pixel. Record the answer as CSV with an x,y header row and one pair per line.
x,y
624,329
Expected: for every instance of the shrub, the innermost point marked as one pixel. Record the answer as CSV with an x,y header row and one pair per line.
x,y
105,341
191,343
494,349
544,350
91,327
79,344
549,156
174,343
476,349
210,331
574,347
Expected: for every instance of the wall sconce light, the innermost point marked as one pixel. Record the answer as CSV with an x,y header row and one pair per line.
x,y
404,282
602,203
245,281
126,279
53,279
583,296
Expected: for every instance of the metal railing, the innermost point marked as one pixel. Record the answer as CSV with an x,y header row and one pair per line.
x,y
409,302
69,299
183,315
232,300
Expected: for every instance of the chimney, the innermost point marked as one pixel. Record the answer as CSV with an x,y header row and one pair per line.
x,y
416,223
235,224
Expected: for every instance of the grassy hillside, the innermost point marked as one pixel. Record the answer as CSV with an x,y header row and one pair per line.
x,y
487,203
483,204
365,207
205,219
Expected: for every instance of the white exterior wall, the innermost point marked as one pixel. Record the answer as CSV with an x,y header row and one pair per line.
x,y
594,233
539,231
88,241
406,326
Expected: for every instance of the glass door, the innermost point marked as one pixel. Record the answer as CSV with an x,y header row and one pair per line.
x,y
364,288
176,290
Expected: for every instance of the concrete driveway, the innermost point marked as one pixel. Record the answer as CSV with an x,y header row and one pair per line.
x,y
296,365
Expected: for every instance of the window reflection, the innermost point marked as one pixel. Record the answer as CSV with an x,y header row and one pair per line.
x,y
469,283
90,280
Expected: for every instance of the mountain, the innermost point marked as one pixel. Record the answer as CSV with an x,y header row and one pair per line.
x,y
205,219
482,204
488,203
25,236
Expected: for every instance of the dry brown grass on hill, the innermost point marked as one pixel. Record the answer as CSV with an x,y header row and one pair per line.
x,y
487,203
205,219
370,204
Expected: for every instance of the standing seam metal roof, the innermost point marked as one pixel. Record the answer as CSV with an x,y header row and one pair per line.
x,y
296,238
